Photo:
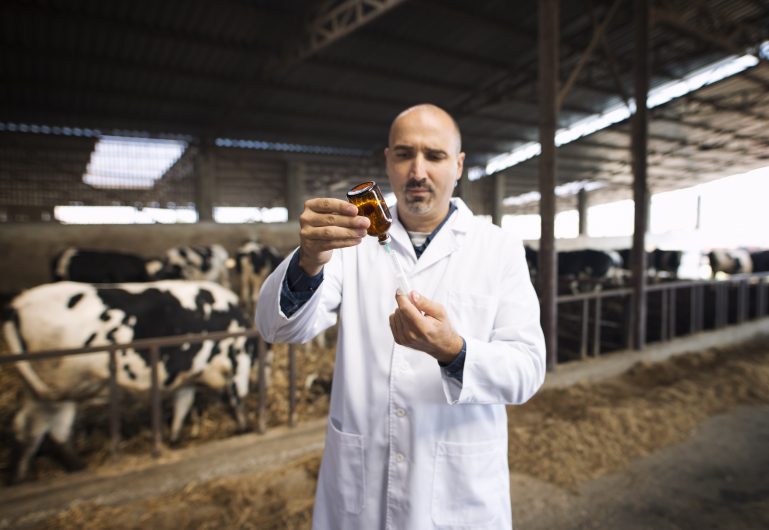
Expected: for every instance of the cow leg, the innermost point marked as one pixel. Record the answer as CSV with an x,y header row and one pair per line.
x,y
29,428
61,436
183,400
236,407
196,420
31,424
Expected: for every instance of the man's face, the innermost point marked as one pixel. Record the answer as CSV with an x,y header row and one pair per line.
x,y
423,165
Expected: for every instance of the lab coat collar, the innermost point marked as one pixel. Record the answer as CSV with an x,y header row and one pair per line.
x,y
446,241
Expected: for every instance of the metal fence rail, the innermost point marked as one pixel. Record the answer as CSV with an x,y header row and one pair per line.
x,y
747,288
154,345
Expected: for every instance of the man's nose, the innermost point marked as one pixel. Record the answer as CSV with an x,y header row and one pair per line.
x,y
417,168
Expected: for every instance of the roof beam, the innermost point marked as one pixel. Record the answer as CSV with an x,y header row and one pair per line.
x,y
611,61
678,22
598,34
725,107
333,20
704,126
500,88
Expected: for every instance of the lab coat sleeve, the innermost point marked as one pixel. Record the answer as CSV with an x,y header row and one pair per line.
x,y
510,367
317,314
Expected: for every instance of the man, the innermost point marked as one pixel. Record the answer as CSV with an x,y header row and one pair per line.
x,y
417,434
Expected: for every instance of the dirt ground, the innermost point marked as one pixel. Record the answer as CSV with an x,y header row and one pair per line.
x,y
715,479
679,444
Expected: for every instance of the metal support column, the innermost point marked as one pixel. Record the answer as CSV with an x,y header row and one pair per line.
x,y
640,126
205,180
464,190
582,211
497,197
548,120
295,189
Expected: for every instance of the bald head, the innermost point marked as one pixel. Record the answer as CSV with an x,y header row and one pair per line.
x,y
428,115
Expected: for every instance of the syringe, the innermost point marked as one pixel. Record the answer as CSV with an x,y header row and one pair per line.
x,y
368,198
400,275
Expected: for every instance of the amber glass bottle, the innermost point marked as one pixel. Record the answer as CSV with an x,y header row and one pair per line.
x,y
368,198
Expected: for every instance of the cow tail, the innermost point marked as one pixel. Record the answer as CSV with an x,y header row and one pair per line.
x,y
16,343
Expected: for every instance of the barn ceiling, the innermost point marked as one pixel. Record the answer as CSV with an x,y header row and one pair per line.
x,y
333,75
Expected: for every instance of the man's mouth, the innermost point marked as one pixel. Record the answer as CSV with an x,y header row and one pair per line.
x,y
418,194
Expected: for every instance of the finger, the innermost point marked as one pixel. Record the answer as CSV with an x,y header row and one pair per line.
x,y
324,245
330,233
396,329
401,298
330,205
427,306
407,308
331,219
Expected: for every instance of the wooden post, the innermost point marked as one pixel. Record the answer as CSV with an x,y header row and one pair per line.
x,y
157,435
114,407
548,120
640,130
205,180
261,411
497,197
582,211
295,189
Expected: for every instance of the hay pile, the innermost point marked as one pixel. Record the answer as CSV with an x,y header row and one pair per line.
x,y
567,435
267,501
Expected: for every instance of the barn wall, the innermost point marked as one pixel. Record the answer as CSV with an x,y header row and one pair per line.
x,y
27,249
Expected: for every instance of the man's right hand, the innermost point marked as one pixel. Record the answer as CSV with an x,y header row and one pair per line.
x,y
326,224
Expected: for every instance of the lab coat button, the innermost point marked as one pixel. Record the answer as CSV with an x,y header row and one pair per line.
x,y
400,458
400,413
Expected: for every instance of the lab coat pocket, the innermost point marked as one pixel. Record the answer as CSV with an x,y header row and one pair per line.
x,y
346,480
471,314
470,483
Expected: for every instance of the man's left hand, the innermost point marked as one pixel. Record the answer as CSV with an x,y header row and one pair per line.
x,y
422,324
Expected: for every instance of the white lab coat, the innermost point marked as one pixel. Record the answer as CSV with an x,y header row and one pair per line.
x,y
408,447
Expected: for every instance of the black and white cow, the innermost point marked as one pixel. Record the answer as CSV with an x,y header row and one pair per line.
x,y
760,260
589,264
730,261
666,261
71,315
101,266
658,262
199,262
253,263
